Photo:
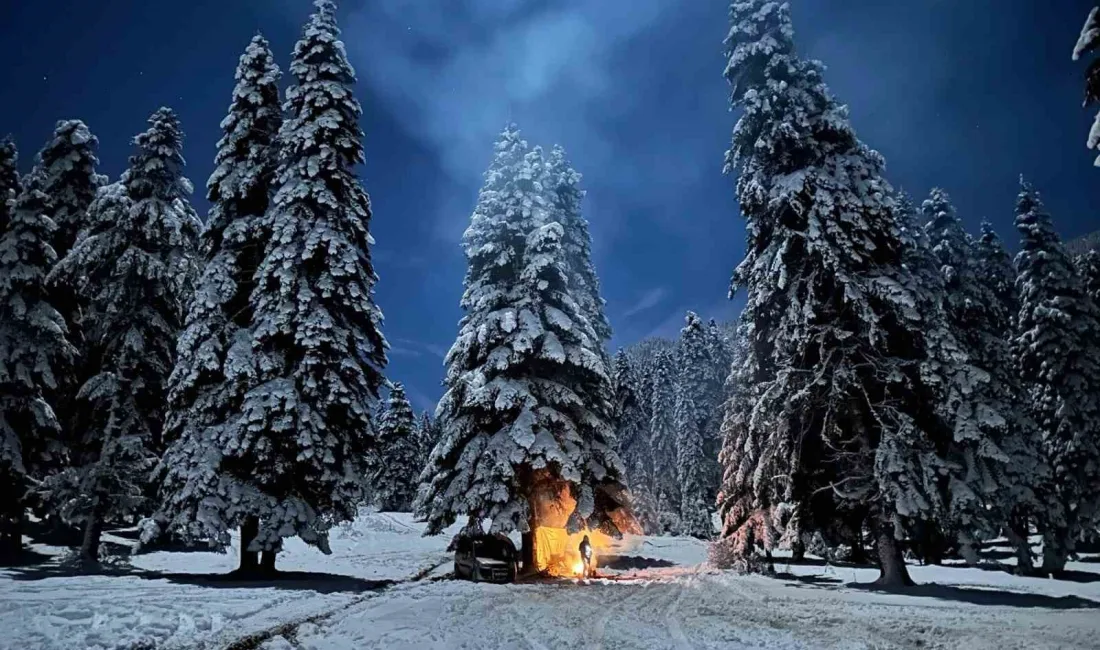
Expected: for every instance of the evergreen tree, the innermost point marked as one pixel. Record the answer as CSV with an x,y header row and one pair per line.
x,y
216,361
584,285
995,268
1088,266
67,165
67,168
295,457
995,264
1087,42
1056,347
845,366
135,266
427,435
993,461
528,402
692,415
397,464
34,352
662,431
10,185
632,435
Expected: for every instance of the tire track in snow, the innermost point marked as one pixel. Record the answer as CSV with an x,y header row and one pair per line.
x,y
672,624
600,628
290,630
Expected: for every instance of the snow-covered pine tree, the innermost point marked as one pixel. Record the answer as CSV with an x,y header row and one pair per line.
x,y
396,464
1088,266
427,435
692,415
632,436
135,266
1057,347
11,452
512,417
995,267
662,432
67,165
720,355
34,352
296,454
10,185
845,366
67,168
1087,41
584,285
214,363
994,462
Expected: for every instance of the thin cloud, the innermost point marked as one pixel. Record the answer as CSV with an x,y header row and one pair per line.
x,y
649,300
413,347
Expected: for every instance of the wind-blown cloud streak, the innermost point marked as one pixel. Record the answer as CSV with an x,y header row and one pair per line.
x,y
649,300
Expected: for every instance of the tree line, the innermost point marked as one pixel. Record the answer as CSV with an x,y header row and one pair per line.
x,y
900,375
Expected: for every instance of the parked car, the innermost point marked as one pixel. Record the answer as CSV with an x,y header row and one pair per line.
x,y
486,558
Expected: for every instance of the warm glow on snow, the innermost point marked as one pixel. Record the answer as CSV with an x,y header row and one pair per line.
x,y
558,553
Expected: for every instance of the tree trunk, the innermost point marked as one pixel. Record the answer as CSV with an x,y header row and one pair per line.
x,y
1055,551
250,527
892,570
11,540
1017,533
798,549
93,531
527,552
267,562
859,550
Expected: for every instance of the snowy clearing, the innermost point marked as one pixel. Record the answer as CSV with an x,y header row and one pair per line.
x,y
668,600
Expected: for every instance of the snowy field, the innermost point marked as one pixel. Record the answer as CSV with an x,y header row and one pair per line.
x,y
384,587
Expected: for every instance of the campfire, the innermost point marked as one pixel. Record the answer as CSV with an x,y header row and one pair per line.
x,y
557,551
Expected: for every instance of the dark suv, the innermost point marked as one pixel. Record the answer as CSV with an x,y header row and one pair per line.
x,y
486,558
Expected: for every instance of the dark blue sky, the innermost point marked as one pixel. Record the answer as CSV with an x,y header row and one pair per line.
x,y
963,94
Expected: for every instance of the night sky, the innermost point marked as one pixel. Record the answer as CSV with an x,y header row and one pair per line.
x,y
964,94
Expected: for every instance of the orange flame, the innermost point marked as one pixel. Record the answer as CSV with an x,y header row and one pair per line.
x,y
558,553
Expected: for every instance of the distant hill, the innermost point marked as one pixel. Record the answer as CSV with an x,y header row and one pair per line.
x,y
1084,244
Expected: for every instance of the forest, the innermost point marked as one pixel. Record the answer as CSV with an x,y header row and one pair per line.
x,y
896,388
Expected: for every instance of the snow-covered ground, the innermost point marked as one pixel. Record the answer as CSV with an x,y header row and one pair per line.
x,y
669,600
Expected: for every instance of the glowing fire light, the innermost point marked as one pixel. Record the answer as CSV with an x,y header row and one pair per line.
x,y
558,552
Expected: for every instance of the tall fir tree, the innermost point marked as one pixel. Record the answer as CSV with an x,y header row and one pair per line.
x,y
692,416
34,352
993,459
216,362
1088,266
297,451
135,265
1057,347
513,418
67,168
1088,41
995,267
67,165
11,450
427,435
632,435
396,465
10,184
663,439
844,365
